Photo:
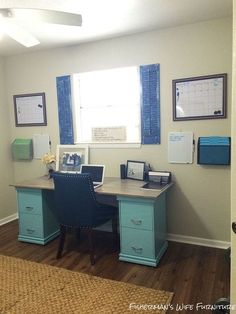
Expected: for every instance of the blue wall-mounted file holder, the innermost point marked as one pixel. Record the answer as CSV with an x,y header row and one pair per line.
x,y
213,150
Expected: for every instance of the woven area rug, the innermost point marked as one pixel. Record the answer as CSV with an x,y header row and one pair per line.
x,y
29,287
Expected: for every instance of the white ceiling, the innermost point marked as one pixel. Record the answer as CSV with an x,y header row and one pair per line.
x,y
110,18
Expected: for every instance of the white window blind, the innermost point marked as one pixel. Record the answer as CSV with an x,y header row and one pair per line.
x,y
107,103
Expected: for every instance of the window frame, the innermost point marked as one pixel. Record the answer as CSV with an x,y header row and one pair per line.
x,y
150,106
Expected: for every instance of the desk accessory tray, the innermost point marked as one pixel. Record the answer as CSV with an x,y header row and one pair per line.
x,y
157,180
153,186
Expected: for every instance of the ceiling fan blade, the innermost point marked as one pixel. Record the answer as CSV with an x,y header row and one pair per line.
x,y
45,16
5,12
18,33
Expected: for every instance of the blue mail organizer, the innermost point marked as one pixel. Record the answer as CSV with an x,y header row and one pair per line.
x,y
22,149
213,150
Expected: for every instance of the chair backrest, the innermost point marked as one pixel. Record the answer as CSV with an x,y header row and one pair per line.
x,y
75,199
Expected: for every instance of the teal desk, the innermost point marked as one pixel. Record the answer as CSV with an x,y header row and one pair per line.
x,y
142,216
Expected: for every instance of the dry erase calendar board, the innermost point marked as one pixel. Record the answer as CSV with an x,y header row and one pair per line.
x,y
30,109
202,97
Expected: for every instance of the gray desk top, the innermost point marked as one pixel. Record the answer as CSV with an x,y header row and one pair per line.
x,y
111,186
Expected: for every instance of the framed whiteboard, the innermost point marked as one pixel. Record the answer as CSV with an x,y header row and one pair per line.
x,y
202,97
30,109
180,147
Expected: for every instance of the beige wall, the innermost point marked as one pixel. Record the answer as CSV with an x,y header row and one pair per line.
x,y
199,203
233,168
7,193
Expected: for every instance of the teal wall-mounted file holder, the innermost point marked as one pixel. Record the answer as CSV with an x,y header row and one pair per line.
x,y
22,149
214,150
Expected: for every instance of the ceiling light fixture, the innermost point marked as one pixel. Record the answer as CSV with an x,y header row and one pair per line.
x,y
10,17
18,33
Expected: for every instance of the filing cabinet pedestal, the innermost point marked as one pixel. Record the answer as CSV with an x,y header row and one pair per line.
x,y
37,222
142,229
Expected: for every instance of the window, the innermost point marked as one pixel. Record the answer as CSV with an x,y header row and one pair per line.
x,y
106,106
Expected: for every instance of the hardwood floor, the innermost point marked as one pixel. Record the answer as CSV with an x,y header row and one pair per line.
x,y
194,273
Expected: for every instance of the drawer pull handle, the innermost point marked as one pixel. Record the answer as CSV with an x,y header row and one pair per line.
x,y
136,222
137,249
29,208
30,231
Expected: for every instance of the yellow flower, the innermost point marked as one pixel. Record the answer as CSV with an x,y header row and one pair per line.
x,y
48,158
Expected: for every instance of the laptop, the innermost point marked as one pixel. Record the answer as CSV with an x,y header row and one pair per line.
x,y
96,171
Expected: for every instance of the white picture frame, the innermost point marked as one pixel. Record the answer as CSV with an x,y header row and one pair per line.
x,y
69,158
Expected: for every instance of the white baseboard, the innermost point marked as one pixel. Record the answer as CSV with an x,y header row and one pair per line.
x,y
8,219
183,239
198,241
170,236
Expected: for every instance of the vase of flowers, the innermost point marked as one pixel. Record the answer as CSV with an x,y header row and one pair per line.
x,y
50,162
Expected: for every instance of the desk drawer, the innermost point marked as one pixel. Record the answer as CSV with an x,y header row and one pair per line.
x,y
137,242
30,201
31,225
136,215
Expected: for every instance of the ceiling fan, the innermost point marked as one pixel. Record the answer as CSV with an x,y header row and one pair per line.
x,y
10,16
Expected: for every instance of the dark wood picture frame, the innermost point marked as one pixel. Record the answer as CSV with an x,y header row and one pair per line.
x,y
199,91
135,170
30,109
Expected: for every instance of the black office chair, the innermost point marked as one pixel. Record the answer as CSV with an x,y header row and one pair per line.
x,y
76,207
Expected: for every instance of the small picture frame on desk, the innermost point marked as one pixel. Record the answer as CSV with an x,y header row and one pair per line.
x,y
135,170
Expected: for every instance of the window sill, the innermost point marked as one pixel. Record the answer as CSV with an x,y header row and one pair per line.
x,y
112,145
